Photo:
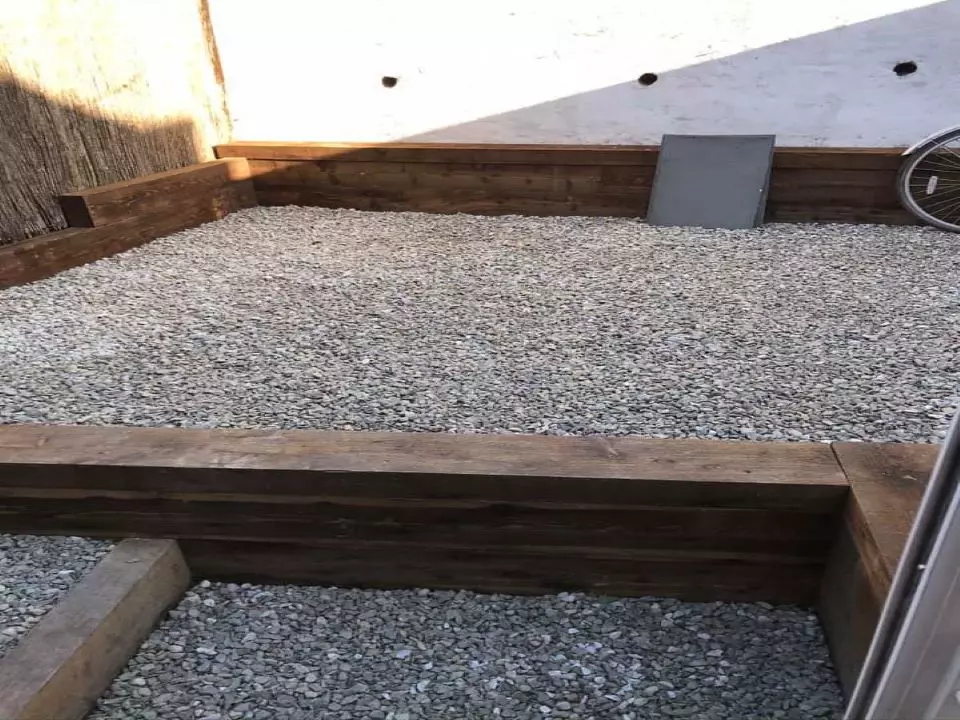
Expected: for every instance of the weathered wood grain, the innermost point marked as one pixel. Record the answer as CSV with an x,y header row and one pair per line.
x,y
445,152
220,186
521,570
43,256
749,534
124,215
849,608
620,514
807,184
60,668
887,482
424,465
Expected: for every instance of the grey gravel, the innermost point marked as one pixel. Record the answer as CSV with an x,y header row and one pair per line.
x,y
335,319
35,572
232,651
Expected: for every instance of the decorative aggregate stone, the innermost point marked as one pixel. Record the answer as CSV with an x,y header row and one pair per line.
x,y
242,651
35,572
335,319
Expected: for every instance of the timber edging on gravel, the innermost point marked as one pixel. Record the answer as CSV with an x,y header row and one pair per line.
x,y
110,219
60,668
693,519
887,481
705,520
834,185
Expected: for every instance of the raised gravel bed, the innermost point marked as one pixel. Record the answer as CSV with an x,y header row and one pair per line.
x,y
232,651
35,572
311,318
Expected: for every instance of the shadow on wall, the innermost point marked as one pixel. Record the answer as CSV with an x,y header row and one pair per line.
x,y
846,86
899,87
48,148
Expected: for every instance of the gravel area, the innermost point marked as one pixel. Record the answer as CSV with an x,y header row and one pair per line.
x,y
35,572
334,319
232,651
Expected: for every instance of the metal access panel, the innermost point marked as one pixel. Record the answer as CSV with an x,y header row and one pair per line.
x,y
711,181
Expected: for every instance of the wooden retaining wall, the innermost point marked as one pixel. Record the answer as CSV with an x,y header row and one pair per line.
x,y
703,520
807,184
887,483
522,514
112,218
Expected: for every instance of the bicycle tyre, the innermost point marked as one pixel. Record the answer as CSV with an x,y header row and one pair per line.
x,y
906,174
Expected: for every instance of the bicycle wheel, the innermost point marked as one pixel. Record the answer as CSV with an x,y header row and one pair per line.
x,y
929,182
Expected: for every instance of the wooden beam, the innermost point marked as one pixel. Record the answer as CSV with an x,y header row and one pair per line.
x,y
807,184
115,218
60,668
887,483
47,255
698,519
209,191
445,152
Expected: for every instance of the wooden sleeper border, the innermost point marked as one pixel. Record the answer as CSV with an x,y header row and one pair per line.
x,y
781,522
60,668
110,219
807,185
705,520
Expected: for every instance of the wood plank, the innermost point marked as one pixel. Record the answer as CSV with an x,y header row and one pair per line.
x,y
495,512
734,533
517,570
60,668
784,157
445,152
788,178
838,158
830,194
455,201
888,481
807,184
129,214
226,182
44,256
424,466
849,608
839,214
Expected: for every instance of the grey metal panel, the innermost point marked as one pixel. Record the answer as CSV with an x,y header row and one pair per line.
x,y
711,181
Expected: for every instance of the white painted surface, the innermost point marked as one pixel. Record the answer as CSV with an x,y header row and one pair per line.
x,y
814,73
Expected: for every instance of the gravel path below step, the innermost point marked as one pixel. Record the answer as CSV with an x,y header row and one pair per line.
x,y
312,318
232,651
35,572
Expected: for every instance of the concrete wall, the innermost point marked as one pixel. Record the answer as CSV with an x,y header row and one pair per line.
x,y
818,72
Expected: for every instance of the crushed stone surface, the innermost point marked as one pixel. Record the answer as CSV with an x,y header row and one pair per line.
x,y
243,651
336,319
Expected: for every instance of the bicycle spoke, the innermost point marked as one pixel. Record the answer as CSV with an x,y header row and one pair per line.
x,y
941,193
937,207
937,162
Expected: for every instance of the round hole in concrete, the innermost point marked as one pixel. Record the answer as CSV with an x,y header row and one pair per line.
x,y
905,68
647,79
388,81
